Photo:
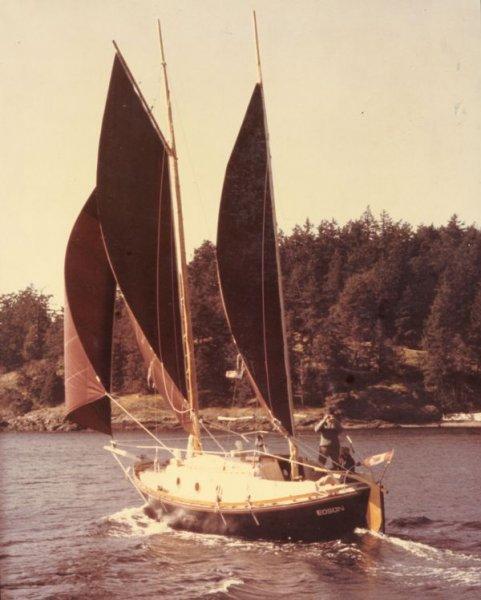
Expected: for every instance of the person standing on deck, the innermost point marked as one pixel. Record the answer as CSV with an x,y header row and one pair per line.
x,y
329,446
346,460
260,445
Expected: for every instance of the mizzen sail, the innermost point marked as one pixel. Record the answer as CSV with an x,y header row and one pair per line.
x,y
247,258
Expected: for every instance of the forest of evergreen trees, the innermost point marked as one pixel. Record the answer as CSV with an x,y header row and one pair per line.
x,y
369,304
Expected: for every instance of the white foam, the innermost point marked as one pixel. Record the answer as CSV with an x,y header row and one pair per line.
x,y
438,566
225,585
416,548
133,522
422,550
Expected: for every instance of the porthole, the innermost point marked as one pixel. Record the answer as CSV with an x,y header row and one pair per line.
x,y
197,487
178,481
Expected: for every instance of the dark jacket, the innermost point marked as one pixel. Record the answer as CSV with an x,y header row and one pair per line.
x,y
330,428
346,461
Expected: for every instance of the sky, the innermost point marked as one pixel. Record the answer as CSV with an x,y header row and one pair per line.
x,y
368,103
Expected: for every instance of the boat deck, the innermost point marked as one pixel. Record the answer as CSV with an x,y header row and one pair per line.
x,y
237,483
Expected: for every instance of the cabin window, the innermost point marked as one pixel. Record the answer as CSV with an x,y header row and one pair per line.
x,y
178,481
197,486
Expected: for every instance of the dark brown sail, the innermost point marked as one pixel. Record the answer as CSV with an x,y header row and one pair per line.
x,y
89,309
135,210
248,264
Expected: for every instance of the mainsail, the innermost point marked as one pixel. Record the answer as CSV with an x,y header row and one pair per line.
x,y
136,219
248,264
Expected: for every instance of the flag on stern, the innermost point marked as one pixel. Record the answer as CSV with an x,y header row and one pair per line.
x,y
378,459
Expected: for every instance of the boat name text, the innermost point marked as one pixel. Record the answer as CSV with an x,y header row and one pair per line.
x,y
329,511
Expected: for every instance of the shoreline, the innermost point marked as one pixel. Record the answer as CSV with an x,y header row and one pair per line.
x,y
52,420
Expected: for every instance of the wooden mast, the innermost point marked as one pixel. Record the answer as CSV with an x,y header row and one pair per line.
x,y
292,444
191,375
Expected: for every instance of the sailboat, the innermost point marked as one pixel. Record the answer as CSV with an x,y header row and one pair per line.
x,y
129,238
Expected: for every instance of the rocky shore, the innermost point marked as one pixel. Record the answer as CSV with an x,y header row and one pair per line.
x,y
370,407
52,419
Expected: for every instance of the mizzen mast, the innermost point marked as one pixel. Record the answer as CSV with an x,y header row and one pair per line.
x,y
191,375
292,445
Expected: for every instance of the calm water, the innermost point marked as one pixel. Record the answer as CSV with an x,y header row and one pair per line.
x,y
72,527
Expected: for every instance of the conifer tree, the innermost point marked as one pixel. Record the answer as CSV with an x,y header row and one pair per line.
x,y
214,350
25,318
448,365
129,373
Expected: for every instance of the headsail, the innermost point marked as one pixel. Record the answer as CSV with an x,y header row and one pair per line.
x,y
89,309
133,200
247,257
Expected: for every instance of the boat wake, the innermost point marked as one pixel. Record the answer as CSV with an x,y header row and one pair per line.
x,y
170,547
406,562
443,564
133,522
224,586
137,522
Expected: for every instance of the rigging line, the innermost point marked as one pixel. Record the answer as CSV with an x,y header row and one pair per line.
x,y
169,392
77,373
143,446
314,453
225,435
139,446
250,451
141,425
307,446
140,95
190,161
303,464
181,375
117,295
229,432
188,337
211,436
135,443
159,212
264,333
71,339
342,468
129,476
159,225
157,258
283,458
274,223
190,382
176,448
311,452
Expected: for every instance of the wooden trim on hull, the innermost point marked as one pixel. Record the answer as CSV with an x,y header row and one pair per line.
x,y
316,520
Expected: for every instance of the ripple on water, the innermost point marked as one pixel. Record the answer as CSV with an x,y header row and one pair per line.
x,y
69,536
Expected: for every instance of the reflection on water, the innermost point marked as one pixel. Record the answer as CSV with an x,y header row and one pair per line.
x,y
72,527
